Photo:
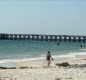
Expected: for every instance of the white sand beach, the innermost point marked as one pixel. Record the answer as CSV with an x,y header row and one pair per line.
x,y
35,70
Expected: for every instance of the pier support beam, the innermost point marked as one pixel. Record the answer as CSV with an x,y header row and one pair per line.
x,y
51,39
46,38
65,38
69,39
42,38
74,39
83,39
60,38
79,39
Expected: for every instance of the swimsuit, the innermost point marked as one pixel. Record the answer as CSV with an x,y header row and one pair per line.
x,y
48,57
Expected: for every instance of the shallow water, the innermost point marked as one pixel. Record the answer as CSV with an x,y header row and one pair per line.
x,y
11,50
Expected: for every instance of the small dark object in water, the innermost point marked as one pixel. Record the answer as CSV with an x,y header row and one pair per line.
x,y
57,43
81,46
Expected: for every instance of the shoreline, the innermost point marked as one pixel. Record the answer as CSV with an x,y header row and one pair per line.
x,y
41,62
12,62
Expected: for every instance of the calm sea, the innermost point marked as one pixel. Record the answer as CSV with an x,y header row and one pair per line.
x,y
32,50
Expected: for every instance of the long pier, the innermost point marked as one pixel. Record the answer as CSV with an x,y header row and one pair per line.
x,y
40,37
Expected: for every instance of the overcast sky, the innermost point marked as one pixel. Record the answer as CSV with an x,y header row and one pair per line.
x,y
43,17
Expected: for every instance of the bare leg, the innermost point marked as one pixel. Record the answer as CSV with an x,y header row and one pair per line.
x,y
49,62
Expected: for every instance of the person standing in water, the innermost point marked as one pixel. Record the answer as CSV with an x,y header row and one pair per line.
x,y
49,58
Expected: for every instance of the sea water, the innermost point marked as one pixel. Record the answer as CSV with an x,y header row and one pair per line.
x,y
18,50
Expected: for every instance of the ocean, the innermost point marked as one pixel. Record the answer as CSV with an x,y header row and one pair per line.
x,y
17,50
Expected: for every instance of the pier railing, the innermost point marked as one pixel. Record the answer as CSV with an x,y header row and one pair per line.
x,y
40,37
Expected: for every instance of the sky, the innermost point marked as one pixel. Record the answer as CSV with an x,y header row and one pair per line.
x,y
57,17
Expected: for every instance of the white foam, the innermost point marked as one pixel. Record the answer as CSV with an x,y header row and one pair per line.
x,y
83,49
78,53
19,60
38,58
63,56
